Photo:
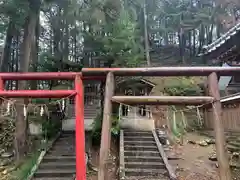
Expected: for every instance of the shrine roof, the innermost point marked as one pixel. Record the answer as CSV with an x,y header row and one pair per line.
x,y
226,38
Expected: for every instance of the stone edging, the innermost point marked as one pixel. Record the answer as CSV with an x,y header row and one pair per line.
x,y
170,170
121,158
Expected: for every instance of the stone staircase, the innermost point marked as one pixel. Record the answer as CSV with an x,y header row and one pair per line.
x,y
232,138
59,162
233,142
90,113
140,157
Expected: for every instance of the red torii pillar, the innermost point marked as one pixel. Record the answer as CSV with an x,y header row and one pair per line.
x,y
80,131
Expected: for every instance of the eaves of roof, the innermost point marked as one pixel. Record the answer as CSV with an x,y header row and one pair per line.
x,y
220,41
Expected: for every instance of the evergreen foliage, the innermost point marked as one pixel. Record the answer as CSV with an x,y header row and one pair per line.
x,y
66,35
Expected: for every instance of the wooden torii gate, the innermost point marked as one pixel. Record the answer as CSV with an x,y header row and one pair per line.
x,y
213,98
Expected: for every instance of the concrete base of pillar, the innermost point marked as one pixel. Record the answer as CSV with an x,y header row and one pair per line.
x,y
143,124
69,124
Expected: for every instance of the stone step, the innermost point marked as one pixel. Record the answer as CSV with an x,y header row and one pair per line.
x,y
135,131
94,110
142,159
61,153
91,108
140,148
57,165
145,165
89,117
63,147
91,113
52,178
147,134
55,173
147,178
64,137
136,138
67,133
233,148
140,143
65,143
146,172
61,159
65,140
234,143
142,153
68,139
232,138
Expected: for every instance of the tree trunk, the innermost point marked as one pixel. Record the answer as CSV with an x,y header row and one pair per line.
x,y
17,58
201,38
7,48
34,54
194,42
66,39
182,43
146,39
21,133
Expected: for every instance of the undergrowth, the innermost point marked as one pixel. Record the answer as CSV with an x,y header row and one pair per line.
x,y
180,121
24,169
97,128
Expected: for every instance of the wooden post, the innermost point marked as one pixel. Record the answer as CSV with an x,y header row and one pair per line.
x,y
222,156
1,88
207,118
1,84
163,100
106,128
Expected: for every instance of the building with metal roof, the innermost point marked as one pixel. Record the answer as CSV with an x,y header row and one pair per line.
x,y
225,49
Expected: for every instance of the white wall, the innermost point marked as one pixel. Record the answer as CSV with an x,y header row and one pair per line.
x,y
69,124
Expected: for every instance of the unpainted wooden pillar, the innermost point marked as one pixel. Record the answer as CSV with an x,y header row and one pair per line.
x,y
106,128
1,88
222,156
207,117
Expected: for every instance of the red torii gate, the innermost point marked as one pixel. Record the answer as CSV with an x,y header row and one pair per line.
x,y
79,103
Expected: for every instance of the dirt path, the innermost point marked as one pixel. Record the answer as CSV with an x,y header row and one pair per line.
x,y
194,163
113,163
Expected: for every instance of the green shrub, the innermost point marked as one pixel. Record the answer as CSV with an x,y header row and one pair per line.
x,y
50,128
184,86
115,126
97,128
52,125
